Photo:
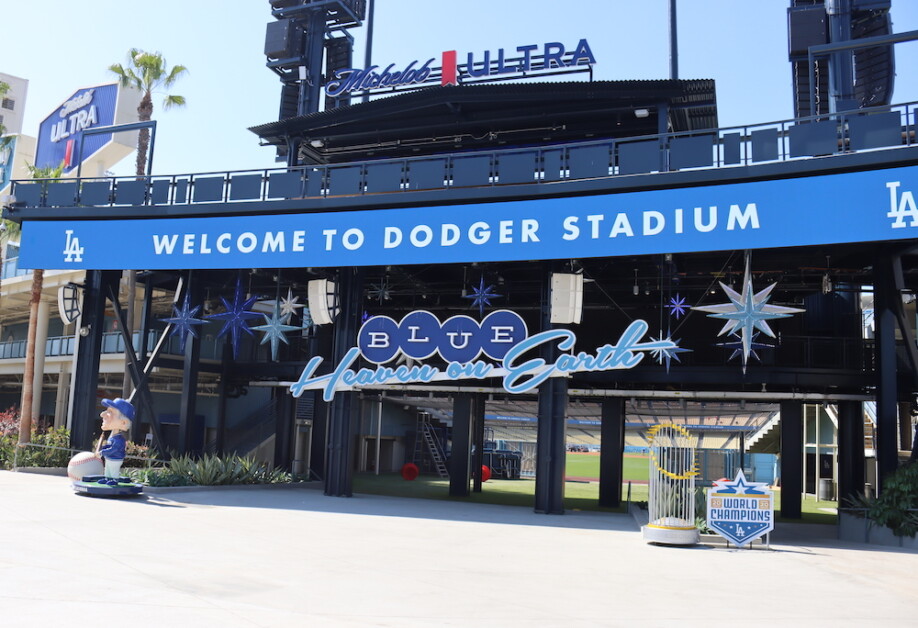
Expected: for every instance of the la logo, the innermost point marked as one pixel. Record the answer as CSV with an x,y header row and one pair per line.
x,y
901,206
73,252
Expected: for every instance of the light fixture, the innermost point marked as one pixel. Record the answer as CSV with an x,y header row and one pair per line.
x,y
826,280
84,330
566,297
316,143
323,301
636,290
641,113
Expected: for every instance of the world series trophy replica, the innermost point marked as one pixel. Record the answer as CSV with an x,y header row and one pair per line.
x,y
99,472
671,503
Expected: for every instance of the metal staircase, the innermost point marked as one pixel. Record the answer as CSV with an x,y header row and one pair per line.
x,y
426,442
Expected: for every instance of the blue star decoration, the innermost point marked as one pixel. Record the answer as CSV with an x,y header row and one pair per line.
x,y
275,329
307,323
737,346
183,322
739,486
481,296
666,350
677,306
747,312
379,292
235,317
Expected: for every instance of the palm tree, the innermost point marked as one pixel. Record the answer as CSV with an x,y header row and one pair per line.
x,y
38,278
148,73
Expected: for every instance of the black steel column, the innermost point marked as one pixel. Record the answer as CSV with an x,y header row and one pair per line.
x,y
884,296
145,318
841,62
283,428
188,421
311,88
551,453
478,425
222,388
461,450
850,450
612,436
791,459
343,409
85,417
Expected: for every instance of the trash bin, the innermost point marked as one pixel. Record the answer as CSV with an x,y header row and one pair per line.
x,y
825,491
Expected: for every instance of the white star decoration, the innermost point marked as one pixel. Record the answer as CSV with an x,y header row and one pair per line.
x,y
275,328
667,350
291,304
747,312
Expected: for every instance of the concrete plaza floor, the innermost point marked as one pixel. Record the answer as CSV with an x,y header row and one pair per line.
x,y
263,556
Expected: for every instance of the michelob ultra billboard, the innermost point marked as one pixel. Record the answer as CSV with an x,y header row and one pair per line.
x,y
88,108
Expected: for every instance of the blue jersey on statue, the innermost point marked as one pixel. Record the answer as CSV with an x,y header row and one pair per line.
x,y
114,448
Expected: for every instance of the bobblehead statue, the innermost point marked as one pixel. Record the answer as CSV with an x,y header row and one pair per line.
x,y
116,418
106,480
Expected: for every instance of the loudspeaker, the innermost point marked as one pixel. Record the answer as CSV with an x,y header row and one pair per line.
x,y
323,301
566,298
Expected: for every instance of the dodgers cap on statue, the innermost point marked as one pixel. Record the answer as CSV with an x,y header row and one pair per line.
x,y
123,406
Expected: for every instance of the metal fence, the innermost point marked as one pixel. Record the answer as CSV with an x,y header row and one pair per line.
x,y
786,140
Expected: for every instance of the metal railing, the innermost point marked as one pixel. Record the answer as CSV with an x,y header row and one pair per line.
x,y
11,269
787,140
20,446
112,343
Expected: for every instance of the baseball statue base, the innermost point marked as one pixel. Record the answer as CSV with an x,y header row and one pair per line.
x,y
670,535
89,485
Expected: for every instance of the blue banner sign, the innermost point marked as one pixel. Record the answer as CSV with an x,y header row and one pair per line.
x,y
853,207
460,341
739,510
59,133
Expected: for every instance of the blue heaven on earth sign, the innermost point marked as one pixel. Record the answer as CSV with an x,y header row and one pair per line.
x,y
498,346
739,510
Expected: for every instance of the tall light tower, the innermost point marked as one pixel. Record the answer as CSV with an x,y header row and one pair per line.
x,y
305,34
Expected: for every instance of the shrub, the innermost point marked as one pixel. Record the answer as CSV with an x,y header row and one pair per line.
x,y
138,456
896,506
9,422
209,470
32,456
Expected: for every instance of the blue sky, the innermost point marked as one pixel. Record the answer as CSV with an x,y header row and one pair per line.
x,y
61,46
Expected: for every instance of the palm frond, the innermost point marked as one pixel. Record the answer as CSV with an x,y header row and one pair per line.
x,y
173,101
174,74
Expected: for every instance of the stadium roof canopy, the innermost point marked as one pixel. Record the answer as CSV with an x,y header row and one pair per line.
x,y
491,116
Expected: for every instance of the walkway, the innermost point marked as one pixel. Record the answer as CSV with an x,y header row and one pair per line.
x,y
293,557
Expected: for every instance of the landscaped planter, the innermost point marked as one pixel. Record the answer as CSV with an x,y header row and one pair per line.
x,y
861,530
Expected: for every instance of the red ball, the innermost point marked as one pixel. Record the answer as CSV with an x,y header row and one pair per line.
x,y
485,473
410,471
